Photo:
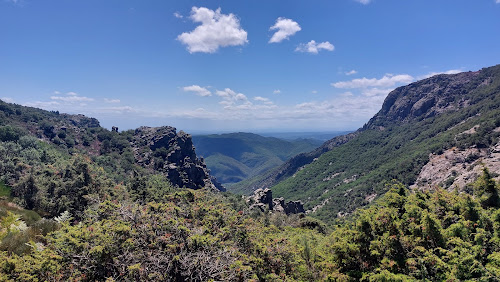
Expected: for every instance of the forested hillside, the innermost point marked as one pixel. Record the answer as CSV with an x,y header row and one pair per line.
x,y
460,112
234,157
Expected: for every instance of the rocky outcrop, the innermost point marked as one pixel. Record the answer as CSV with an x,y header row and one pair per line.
x,y
429,97
457,168
173,154
262,199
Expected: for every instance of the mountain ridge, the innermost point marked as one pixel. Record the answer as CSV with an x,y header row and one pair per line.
x,y
415,121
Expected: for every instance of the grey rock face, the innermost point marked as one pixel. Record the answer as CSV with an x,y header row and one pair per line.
x,y
262,199
172,153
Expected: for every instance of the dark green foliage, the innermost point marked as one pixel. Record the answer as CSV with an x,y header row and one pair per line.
x,y
487,191
235,157
9,133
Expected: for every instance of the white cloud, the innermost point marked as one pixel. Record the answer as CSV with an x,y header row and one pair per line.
x,y
198,90
7,99
43,105
497,1
277,91
261,99
436,73
112,101
216,30
370,92
314,47
178,15
351,72
233,100
71,97
388,80
285,28
366,2
118,110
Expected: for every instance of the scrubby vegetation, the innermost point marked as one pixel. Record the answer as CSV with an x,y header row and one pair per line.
x,y
201,235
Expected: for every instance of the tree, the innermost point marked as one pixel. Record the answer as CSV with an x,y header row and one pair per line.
x,y
486,190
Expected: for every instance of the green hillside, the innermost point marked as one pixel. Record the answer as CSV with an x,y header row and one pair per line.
x,y
416,120
81,203
235,157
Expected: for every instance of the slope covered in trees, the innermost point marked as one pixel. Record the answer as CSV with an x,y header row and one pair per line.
x,y
426,117
234,157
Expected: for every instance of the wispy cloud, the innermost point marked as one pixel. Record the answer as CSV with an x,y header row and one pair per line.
x,y
314,47
71,97
284,29
443,72
387,80
112,101
178,15
351,72
198,90
215,30
7,99
118,110
264,100
366,2
277,91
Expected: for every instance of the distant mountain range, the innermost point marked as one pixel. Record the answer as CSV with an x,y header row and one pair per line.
x,y
234,157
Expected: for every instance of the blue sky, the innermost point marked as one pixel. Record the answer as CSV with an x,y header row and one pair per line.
x,y
246,65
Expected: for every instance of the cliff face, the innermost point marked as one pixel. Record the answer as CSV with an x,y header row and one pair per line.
x,y
430,97
173,154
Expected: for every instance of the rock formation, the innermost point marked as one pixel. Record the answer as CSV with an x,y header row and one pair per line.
x,y
172,153
262,199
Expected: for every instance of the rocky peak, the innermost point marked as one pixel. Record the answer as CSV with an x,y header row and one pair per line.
x,y
172,153
429,97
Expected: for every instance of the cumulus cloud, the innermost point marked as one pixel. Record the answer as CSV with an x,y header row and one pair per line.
x,y
233,100
351,72
284,29
314,47
198,90
71,97
277,91
215,30
388,80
